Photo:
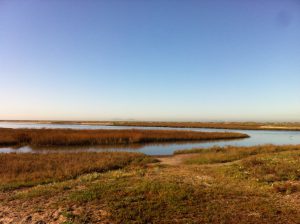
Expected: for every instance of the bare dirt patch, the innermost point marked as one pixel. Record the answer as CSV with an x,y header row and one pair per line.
x,y
175,159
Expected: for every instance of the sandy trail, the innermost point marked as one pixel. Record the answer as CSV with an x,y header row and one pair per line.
x,y
175,159
179,159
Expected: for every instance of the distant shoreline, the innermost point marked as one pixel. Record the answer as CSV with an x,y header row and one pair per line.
x,y
274,126
295,126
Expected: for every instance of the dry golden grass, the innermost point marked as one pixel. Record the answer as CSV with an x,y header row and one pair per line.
x,y
17,170
69,137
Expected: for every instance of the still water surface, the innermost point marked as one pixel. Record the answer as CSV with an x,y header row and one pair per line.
x,y
256,138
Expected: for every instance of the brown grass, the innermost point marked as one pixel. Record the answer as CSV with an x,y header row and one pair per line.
x,y
69,137
17,170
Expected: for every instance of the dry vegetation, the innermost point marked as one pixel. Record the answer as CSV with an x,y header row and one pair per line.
x,y
69,137
259,185
216,125
232,153
19,170
279,167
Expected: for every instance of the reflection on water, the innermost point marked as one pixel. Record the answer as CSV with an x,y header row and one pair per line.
x,y
256,138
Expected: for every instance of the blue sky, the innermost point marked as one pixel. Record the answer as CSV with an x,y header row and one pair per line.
x,y
150,60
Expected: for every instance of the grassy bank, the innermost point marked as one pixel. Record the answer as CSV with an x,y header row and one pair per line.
x,y
273,168
19,170
69,137
232,153
260,187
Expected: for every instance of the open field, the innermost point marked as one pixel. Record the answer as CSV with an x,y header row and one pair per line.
x,y
260,185
69,137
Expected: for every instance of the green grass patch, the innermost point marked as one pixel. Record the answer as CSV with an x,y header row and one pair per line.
x,y
131,198
271,168
278,171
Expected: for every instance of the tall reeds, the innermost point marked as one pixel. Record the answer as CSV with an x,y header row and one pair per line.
x,y
69,137
17,170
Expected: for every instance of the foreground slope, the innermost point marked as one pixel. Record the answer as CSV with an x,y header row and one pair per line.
x,y
243,185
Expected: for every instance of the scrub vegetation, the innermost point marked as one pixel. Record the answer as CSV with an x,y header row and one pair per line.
x,y
254,185
70,137
20,170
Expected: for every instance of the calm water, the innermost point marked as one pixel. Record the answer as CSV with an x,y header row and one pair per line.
x,y
256,138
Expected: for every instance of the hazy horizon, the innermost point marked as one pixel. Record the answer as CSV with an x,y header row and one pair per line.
x,y
150,120
150,60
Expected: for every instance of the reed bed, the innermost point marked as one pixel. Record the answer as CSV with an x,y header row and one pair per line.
x,y
17,170
69,137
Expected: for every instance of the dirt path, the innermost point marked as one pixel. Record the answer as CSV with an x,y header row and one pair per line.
x,y
179,159
175,159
